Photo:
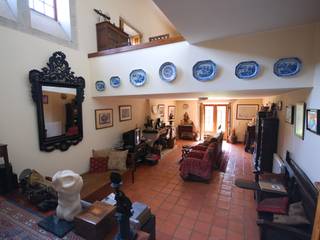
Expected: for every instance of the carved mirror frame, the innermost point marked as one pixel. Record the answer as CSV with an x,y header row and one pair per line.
x,y
56,74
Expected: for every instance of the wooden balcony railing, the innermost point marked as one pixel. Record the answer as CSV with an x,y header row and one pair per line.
x,y
136,47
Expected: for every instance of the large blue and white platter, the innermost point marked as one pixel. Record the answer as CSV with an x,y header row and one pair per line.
x,y
100,86
247,70
287,67
115,81
204,70
168,72
138,77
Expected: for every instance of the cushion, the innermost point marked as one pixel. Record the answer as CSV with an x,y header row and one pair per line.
x,y
98,164
101,152
296,215
274,205
117,160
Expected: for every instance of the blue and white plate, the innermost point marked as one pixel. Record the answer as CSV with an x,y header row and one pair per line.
x,y
247,70
100,86
204,70
115,81
168,72
286,67
138,77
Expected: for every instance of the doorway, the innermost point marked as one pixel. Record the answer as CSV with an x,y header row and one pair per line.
x,y
215,119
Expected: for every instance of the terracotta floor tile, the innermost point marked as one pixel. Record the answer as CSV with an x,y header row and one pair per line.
x,y
198,236
178,209
191,213
234,236
182,233
218,232
193,210
187,222
174,218
205,217
202,227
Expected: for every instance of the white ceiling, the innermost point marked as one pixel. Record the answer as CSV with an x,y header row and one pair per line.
x,y
201,20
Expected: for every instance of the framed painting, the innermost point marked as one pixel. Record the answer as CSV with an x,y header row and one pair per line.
x,y
161,110
125,113
290,114
103,118
299,120
171,112
313,118
247,111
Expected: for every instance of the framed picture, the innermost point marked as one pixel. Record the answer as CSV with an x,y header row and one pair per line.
x,y
290,114
299,120
247,111
154,109
104,118
313,118
45,99
125,113
161,110
279,106
171,112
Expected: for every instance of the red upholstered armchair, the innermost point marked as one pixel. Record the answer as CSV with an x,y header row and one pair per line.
x,y
198,164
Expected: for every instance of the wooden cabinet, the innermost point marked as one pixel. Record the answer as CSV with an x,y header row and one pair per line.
x,y
109,36
186,132
266,140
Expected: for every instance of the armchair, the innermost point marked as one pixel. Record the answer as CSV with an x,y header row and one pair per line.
x,y
198,164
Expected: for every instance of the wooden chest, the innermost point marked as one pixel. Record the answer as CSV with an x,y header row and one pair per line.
x,y
109,36
96,221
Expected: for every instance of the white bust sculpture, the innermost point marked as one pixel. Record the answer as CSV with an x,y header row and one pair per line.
x,y
68,185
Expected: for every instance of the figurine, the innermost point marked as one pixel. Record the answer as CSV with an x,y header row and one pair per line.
x,y
186,119
123,210
68,185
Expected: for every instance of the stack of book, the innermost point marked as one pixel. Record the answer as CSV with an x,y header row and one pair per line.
x,y
141,214
272,187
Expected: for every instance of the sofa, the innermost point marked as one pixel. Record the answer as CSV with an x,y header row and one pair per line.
x,y
96,182
202,159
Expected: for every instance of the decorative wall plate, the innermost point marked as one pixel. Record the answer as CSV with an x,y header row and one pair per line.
x,y
168,72
115,81
100,86
286,67
247,70
204,70
138,77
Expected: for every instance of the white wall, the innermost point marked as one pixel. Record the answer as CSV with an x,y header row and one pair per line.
x,y
265,48
144,15
22,52
305,152
193,111
156,102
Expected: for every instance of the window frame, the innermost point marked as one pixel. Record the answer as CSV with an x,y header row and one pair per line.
x,y
55,18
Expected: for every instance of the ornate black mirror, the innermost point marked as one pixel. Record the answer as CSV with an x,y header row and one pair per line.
x,y
58,95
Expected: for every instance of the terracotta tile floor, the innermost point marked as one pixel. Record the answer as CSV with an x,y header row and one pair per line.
x,y
189,210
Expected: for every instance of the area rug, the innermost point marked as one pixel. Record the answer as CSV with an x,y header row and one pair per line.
x,y
17,223
166,151
224,161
